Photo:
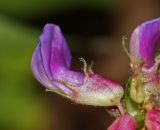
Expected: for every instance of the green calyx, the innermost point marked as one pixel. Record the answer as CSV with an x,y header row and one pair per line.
x,y
137,89
134,108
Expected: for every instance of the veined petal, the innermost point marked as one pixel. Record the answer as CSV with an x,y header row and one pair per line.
x,y
52,59
152,119
54,49
125,122
144,41
38,68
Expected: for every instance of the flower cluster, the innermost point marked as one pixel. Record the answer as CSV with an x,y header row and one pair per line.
x,y
138,107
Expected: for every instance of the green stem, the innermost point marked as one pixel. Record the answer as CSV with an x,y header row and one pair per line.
x,y
121,109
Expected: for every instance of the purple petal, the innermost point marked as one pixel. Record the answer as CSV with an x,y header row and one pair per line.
x,y
54,50
125,122
52,59
144,41
152,119
38,68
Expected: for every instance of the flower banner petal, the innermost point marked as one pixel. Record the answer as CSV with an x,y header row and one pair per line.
x,y
144,41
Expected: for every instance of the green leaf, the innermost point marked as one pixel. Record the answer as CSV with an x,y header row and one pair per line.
x,y
22,106
131,107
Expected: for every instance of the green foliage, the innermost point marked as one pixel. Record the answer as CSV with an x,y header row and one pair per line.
x,y
30,8
21,107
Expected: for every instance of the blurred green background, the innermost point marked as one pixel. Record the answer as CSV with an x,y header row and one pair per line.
x,y
93,29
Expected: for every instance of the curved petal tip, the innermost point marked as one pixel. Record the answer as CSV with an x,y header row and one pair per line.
x,y
144,40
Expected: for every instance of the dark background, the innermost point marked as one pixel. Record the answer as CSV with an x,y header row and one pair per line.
x,y
93,30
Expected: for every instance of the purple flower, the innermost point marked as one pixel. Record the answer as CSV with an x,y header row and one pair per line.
x,y
144,62
144,41
152,119
51,66
125,122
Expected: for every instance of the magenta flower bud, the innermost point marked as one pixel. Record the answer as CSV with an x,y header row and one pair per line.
x,y
152,119
51,66
144,41
125,122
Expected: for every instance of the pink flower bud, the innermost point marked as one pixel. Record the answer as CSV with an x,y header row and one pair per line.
x,y
125,122
152,119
